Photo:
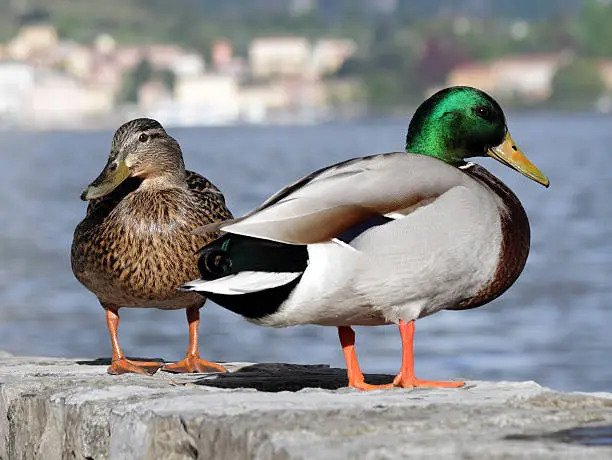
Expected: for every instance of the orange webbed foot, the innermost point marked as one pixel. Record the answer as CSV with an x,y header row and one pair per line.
x,y
413,382
193,364
125,366
363,386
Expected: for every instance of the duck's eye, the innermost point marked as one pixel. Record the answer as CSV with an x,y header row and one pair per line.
x,y
143,138
482,111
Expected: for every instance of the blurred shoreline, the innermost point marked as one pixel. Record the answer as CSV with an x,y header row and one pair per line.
x,y
296,62
114,120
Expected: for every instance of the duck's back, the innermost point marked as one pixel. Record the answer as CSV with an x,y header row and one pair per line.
x,y
135,246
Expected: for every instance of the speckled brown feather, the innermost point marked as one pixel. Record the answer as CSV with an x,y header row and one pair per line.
x,y
135,246
514,245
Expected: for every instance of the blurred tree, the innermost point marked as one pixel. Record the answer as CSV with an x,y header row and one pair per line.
x,y
577,84
168,78
353,66
437,58
133,80
384,34
594,28
386,65
34,16
382,89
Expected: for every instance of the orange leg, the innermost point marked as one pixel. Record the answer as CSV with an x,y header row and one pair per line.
x,y
192,361
406,378
355,376
119,364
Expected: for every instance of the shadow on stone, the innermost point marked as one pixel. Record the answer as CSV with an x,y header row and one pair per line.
x,y
272,377
107,361
583,435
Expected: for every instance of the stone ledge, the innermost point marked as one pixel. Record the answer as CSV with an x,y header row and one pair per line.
x,y
57,408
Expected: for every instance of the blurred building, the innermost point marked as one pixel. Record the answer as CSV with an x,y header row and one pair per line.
x,y
57,98
154,94
526,76
279,56
272,57
520,76
305,94
222,55
206,99
328,55
76,59
49,82
257,102
475,74
16,84
161,57
33,41
605,72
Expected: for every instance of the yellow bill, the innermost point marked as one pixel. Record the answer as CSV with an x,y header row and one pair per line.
x,y
509,154
108,180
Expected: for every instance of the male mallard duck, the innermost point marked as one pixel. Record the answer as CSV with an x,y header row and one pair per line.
x,y
383,239
135,245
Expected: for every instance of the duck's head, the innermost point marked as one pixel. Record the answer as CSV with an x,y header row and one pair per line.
x,y
462,122
142,149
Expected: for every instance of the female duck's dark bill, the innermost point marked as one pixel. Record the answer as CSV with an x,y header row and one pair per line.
x,y
109,179
509,154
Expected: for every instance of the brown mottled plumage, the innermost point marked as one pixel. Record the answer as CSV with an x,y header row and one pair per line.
x,y
135,245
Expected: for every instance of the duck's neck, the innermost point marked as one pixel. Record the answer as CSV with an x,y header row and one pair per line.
x,y
167,180
435,140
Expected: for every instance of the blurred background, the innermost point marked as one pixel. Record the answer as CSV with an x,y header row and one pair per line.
x,y
261,92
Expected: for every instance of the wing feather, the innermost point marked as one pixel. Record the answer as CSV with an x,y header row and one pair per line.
x,y
325,204
241,283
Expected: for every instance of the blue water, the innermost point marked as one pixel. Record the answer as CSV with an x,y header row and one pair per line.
x,y
553,326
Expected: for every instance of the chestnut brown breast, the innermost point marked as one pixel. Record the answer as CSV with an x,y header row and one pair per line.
x,y
515,241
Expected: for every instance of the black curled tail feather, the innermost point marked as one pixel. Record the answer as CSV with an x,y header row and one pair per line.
x,y
231,254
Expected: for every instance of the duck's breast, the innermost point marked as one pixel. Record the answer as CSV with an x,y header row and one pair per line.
x,y
142,251
515,241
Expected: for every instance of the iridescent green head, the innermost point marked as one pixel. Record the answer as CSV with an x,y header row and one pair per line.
x,y
463,122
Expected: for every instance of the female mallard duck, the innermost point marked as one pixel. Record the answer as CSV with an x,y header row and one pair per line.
x,y
135,245
383,239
